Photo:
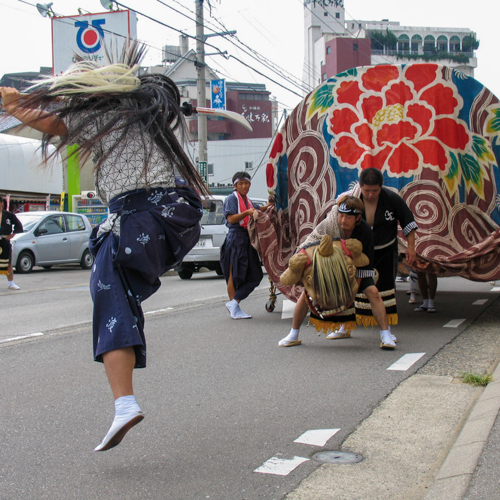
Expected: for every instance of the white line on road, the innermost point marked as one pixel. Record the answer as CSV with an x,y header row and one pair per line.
x,y
403,363
159,310
454,323
12,339
280,466
316,437
480,302
288,308
495,289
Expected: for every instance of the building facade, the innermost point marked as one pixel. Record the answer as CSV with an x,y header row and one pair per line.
x,y
331,49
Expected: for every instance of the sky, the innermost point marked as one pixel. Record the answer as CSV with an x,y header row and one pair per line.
x,y
273,29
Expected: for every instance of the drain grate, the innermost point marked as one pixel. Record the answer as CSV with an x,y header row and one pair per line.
x,y
337,457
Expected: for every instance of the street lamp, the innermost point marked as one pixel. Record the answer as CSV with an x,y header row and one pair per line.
x,y
45,9
107,4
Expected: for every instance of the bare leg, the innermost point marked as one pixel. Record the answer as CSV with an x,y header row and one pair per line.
x,y
388,341
300,311
422,284
433,283
299,314
230,287
10,278
119,365
10,273
378,308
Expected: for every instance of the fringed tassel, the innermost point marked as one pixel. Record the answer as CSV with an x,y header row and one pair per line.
x,y
327,327
366,321
370,321
392,319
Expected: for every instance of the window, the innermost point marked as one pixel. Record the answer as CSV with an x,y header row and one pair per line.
x,y
248,165
75,223
324,77
337,15
455,44
213,212
429,44
355,46
253,97
210,169
416,43
52,225
328,50
325,14
442,43
403,43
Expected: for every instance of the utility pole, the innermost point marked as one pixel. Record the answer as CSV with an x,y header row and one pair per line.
x,y
202,97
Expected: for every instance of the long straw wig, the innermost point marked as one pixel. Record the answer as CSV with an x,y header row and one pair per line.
x,y
331,282
116,100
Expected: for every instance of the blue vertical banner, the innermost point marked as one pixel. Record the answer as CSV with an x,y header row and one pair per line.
x,y
218,93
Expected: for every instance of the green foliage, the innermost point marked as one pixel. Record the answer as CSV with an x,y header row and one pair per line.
x,y
469,43
381,39
436,56
477,380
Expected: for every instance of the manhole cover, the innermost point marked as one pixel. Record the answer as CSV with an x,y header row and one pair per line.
x,y
337,457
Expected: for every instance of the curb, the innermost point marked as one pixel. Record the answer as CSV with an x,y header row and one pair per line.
x,y
454,477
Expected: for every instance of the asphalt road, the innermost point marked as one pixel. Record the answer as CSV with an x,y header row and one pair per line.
x,y
221,398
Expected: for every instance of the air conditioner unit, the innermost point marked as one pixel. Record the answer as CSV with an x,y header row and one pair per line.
x,y
89,194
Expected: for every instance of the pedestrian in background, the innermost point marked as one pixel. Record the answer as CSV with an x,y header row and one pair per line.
x,y
427,283
9,226
239,261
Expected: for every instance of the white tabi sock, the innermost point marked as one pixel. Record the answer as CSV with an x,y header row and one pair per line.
x,y
293,336
127,414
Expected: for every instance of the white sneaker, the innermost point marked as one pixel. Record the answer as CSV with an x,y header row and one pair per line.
x,y
13,286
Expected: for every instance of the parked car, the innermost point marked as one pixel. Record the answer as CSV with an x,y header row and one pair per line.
x,y
206,253
51,238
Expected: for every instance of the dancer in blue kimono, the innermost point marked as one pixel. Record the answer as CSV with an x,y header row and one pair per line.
x,y
127,125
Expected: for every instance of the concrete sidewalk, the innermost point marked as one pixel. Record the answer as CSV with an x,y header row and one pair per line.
x,y
425,440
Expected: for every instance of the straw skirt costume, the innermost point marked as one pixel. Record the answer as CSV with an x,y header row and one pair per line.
x,y
362,232
151,227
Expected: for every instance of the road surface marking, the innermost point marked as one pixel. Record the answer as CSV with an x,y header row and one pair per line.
x,y
405,362
280,466
288,308
159,310
495,289
38,334
316,437
480,302
454,323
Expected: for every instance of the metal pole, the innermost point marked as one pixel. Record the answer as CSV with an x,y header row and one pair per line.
x,y
200,66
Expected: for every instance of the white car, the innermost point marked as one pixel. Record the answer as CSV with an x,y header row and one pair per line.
x,y
51,238
206,253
